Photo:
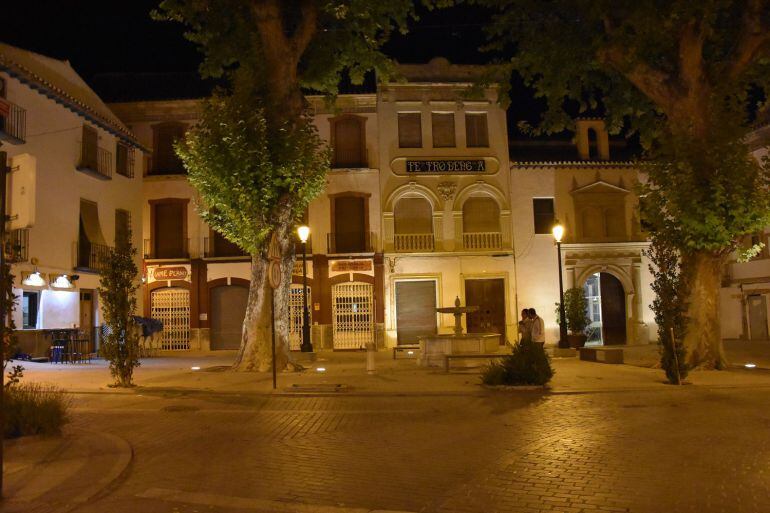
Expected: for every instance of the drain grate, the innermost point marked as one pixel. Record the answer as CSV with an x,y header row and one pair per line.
x,y
327,388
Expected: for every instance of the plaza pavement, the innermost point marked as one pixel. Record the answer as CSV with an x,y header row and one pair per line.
x,y
602,438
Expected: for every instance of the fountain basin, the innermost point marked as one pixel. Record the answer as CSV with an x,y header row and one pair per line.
x,y
435,348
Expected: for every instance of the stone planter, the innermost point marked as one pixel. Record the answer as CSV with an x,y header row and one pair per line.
x,y
577,341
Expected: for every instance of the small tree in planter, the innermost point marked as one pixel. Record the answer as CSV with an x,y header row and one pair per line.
x,y
527,365
576,317
117,291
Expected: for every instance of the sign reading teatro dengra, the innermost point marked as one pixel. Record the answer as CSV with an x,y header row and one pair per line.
x,y
446,166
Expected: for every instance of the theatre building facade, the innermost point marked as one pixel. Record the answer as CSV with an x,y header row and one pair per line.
x,y
422,205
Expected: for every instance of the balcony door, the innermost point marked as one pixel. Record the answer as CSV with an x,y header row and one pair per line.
x,y
169,235
350,224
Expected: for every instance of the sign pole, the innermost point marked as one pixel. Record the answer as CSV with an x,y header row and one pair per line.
x,y
272,332
3,301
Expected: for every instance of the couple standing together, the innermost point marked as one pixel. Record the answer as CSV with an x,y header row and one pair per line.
x,y
531,326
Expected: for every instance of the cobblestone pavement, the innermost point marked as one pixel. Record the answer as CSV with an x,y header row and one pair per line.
x,y
678,450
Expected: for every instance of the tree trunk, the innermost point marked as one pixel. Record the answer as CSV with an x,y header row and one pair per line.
x,y
703,341
255,353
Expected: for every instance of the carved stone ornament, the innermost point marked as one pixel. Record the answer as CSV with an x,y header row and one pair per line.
x,y
447,190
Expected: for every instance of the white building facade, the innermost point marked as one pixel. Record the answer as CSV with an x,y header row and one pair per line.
x,y
74,191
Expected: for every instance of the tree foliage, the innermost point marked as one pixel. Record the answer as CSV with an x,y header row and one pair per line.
x,y
117,293
244,176
686,77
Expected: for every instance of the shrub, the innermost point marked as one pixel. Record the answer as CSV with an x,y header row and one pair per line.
x,y
34,409
527,365
575,311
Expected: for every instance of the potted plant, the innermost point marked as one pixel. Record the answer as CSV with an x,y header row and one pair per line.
x,y
576,317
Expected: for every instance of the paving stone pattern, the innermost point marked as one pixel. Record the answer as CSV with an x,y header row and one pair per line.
x,y
681,450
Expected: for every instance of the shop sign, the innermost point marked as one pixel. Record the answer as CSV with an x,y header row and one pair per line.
x,y
169,273
297,271
351,266
446,166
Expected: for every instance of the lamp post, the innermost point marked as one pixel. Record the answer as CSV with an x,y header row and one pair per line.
x,y
306,347
558,233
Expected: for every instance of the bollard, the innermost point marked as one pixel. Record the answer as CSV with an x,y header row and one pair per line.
x,y
371,351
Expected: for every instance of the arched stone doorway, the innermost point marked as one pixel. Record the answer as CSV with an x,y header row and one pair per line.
x,y
606,309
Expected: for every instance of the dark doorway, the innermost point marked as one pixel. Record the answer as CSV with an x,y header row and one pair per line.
x,y
758,317
228,308
415,310
349,225
613,300
489,296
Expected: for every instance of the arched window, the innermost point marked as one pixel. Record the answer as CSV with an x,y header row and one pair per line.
x,y
481,224
413,225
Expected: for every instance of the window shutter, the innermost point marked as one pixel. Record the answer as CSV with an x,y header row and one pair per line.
x,y
409,130
443,129
476,130
348,144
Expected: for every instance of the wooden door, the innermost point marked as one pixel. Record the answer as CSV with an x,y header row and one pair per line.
x,y
349,224
169,230
613,300
758,317
489,296
87,315
228,308
415,310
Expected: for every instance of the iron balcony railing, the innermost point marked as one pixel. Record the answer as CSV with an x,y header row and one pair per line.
x,y
210,250
95,161
482,240
350,242
13,122
153,250
124,161
92,257
413,242
17,246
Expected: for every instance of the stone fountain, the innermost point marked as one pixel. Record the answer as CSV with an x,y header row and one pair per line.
x,y
434,348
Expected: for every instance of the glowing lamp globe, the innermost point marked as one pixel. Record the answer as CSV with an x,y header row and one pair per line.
x,y
558,232
303,232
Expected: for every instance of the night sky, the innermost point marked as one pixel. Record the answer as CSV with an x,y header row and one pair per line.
x,y
108,37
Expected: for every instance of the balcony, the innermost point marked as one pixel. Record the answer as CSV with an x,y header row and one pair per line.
x,y
17,246
342,243
221,249
475,241
92,257
13,122
154,250
124,161
413,242
95,161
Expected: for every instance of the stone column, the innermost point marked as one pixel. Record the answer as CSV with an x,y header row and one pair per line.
x,y
640,328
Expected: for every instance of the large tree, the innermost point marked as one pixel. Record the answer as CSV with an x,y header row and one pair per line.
x,y
273,50
685,76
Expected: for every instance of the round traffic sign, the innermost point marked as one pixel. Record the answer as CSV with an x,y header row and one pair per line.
x,y
274,274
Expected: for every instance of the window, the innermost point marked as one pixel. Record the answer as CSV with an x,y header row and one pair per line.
x,y
124,160
92,248
3,90
165,160
409,130
476,130
122,228
168,225
481,215
544,215
88,150
350,223
443,129
349,147
29,307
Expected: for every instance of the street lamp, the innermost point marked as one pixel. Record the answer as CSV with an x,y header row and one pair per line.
x,y
558,233
306,347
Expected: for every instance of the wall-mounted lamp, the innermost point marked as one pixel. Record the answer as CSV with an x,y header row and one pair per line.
x,y
33,279
61,281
